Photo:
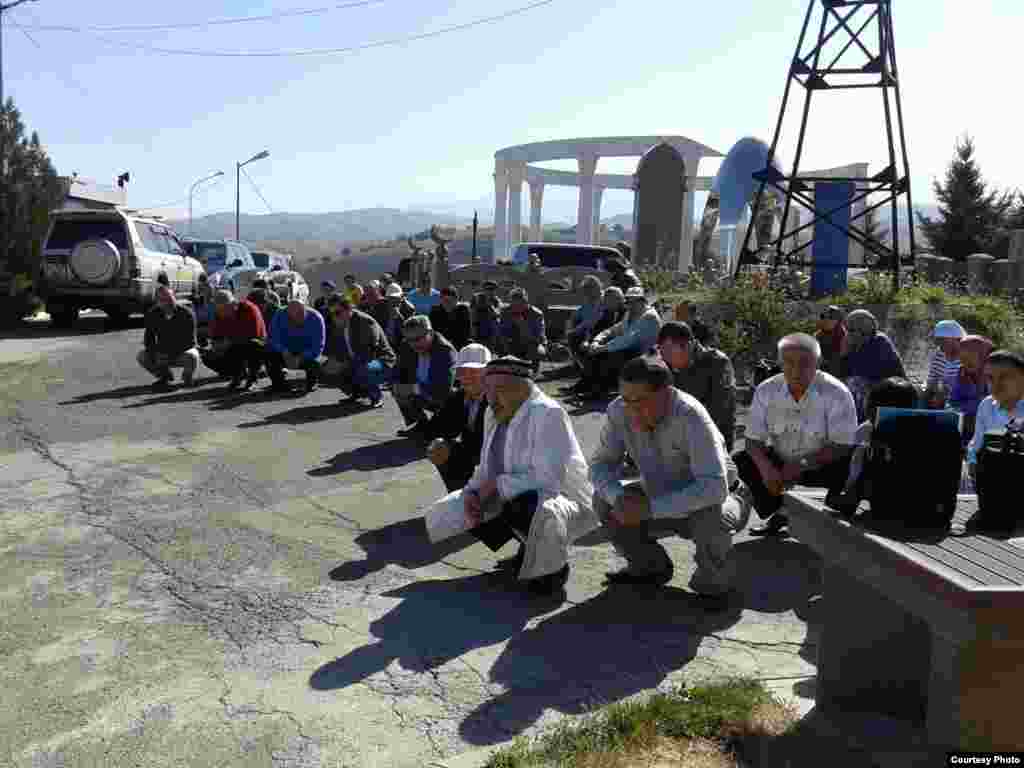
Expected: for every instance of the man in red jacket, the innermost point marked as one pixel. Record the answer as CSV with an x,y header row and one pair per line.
x,y
238,335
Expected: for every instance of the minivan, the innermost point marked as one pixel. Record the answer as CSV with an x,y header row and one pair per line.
x,y
553,255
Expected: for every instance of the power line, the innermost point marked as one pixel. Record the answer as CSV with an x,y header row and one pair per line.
x,y
258,192
316,51
68,78
212,23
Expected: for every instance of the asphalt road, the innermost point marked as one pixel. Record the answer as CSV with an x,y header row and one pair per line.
x,y
203,579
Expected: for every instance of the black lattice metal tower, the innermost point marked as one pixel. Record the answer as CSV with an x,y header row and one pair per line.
x,y
867,60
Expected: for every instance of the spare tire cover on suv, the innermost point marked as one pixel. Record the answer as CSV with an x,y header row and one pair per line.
x,y
95,261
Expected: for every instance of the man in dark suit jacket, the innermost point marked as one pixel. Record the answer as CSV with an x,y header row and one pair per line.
x,y
359,356
456,431
426,372
452,319
704,372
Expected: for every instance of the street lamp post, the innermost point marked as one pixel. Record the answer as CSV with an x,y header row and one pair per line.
x,y
193,189
238,189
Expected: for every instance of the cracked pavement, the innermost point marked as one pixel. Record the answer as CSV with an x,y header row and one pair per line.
x,y
201,579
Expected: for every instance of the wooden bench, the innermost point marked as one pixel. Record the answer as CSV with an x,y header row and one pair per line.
x,y
929,631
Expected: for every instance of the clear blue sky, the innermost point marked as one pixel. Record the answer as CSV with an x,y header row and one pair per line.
x,y
418,125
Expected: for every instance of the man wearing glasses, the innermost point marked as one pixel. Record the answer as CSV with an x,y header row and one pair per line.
x,y
359,357
685,475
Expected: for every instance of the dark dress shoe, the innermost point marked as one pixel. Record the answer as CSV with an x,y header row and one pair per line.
x,y
633,578
775,525
413,430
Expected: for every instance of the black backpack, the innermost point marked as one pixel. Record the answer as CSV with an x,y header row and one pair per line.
x,y
913,470
997,478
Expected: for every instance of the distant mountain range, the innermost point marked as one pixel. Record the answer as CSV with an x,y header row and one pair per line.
x,y
377,224
367,224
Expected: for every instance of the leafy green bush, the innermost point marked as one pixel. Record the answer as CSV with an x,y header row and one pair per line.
x,y
988,316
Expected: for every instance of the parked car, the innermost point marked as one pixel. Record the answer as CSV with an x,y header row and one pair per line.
x,y
110,259
222,259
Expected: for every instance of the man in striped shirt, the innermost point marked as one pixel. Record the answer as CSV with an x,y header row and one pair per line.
x,y
944,363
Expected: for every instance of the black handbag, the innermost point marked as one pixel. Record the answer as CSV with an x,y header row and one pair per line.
x,y
1000,466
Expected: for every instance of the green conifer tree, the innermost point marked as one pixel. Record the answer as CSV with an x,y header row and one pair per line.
x,y
972,219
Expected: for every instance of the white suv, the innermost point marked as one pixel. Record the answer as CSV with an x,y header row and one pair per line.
x,y
110,259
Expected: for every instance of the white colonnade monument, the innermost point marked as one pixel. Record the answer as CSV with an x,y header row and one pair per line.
x,y
512,168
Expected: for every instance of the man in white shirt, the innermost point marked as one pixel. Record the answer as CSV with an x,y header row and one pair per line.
x,y
685,473
802,429
531,484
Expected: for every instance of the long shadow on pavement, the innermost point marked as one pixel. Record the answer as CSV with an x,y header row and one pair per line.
x,y
619,643
435,622
396,452
404,544
111,394
306,414
184,395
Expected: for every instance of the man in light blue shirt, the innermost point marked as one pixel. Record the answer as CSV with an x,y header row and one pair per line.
x,y
424,298
1006,402
685,476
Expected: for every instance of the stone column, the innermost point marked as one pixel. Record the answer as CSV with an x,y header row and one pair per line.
x,y
686,240
536,204
595,230
500,209
515,205
585,217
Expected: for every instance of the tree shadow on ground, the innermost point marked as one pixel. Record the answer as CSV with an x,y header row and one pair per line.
x,y
396,452
612,646
306,414
404,544
435,622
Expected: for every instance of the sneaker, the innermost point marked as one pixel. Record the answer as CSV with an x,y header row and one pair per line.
x,y
250,382
376,402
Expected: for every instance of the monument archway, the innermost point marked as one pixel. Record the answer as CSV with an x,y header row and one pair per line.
x,y
512,168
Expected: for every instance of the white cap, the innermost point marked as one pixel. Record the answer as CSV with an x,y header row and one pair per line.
x,y
394,291
473,356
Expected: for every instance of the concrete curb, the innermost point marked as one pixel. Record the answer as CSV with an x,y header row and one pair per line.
x,y
474,758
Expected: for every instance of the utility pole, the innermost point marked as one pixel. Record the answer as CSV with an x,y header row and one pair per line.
x,y
4,224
